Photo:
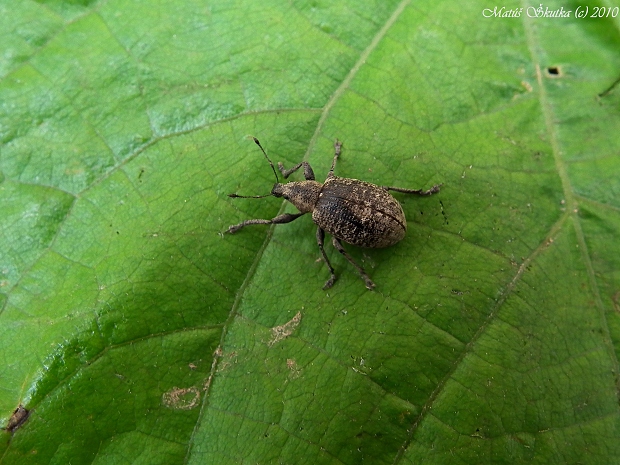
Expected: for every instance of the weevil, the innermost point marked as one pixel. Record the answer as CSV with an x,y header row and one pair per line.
x,y
353,211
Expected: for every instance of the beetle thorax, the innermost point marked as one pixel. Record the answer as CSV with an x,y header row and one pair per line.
x,y
303,194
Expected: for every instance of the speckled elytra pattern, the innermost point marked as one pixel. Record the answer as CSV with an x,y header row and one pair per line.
x,y
359,213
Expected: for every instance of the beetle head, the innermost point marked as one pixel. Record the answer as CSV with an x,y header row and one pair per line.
x,y
278,190
303,194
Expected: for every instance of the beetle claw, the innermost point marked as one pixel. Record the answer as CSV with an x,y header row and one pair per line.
x,y
330,282
369,284
233,229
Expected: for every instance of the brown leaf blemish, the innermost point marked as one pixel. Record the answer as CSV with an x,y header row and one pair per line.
x,y
283,331
227,359
181,398
291,364
18,418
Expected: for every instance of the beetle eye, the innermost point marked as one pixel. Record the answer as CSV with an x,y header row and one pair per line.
x,y
277,190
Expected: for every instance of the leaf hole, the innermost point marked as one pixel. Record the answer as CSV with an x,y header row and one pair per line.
x,y
554,71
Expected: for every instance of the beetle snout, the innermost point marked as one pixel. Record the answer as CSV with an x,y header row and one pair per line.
x,y
277,190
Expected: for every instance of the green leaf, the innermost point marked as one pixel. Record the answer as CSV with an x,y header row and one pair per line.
x,y
134,331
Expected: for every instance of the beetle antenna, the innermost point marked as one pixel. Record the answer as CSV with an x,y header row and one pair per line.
x,y
270,163
236,196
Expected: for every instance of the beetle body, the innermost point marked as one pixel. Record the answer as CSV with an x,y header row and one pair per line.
x,y
353,211
359,213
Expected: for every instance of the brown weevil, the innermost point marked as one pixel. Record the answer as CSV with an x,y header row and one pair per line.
x,y
353,211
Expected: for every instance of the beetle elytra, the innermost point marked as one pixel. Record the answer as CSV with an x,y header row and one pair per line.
x,y
353,211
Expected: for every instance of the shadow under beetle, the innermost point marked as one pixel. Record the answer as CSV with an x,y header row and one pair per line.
x,y
353,211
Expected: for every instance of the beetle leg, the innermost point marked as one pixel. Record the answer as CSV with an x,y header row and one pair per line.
x,y
308,173
431,191
280,219
320,238
337,147
364,276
